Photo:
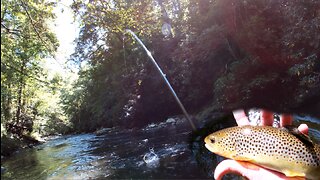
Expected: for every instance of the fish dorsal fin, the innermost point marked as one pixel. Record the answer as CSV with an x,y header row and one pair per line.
x,y
302,137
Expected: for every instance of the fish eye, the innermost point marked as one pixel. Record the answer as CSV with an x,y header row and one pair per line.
x,y
212,140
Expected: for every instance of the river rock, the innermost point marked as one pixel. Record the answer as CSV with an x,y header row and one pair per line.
x,y
170,120
102,131
3,170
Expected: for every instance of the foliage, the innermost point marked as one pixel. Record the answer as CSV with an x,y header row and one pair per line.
x,y
220,54
280,53
28,93
110,70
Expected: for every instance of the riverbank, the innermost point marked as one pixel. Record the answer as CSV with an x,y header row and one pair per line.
x,y
11,144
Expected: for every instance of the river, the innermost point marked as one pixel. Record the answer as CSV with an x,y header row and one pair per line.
x,y
167,150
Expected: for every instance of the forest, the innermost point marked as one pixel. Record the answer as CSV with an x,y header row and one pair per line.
x,y
219,55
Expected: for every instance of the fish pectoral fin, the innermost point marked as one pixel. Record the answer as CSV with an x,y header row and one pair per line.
x,y
292,174
241,158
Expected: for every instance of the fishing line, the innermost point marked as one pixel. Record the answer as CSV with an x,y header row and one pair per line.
x,y
164,78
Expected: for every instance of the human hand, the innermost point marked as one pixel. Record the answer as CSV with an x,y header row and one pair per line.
x,y
249,170
267,119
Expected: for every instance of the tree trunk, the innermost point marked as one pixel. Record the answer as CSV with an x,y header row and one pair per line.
x,y
20,91
7,102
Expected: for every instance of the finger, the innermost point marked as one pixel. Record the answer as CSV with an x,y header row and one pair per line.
x,y
248,170
266,118
303,128
227,166
285,119
240,117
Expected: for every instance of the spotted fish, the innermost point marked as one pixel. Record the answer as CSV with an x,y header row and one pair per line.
x,y
270,147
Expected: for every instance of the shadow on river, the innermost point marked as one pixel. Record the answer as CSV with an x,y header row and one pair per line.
x,y
167,150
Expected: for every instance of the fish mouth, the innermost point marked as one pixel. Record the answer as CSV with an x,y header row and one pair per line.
x,y
208,145
209,148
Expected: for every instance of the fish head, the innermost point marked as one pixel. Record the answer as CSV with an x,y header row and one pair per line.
x,y
216,143
211,143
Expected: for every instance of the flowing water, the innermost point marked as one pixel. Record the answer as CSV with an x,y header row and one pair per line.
x,y
167,150
156,151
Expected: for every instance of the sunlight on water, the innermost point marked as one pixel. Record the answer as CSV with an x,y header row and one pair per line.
x,y
145,153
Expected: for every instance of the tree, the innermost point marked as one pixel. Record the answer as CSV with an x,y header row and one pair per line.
x,y
216,48
25,41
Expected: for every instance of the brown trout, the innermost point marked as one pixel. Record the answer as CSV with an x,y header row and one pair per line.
x,y
269,147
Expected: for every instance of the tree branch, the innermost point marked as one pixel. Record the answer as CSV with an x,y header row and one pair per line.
x,y
22,73
33,25
38,34
11,31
